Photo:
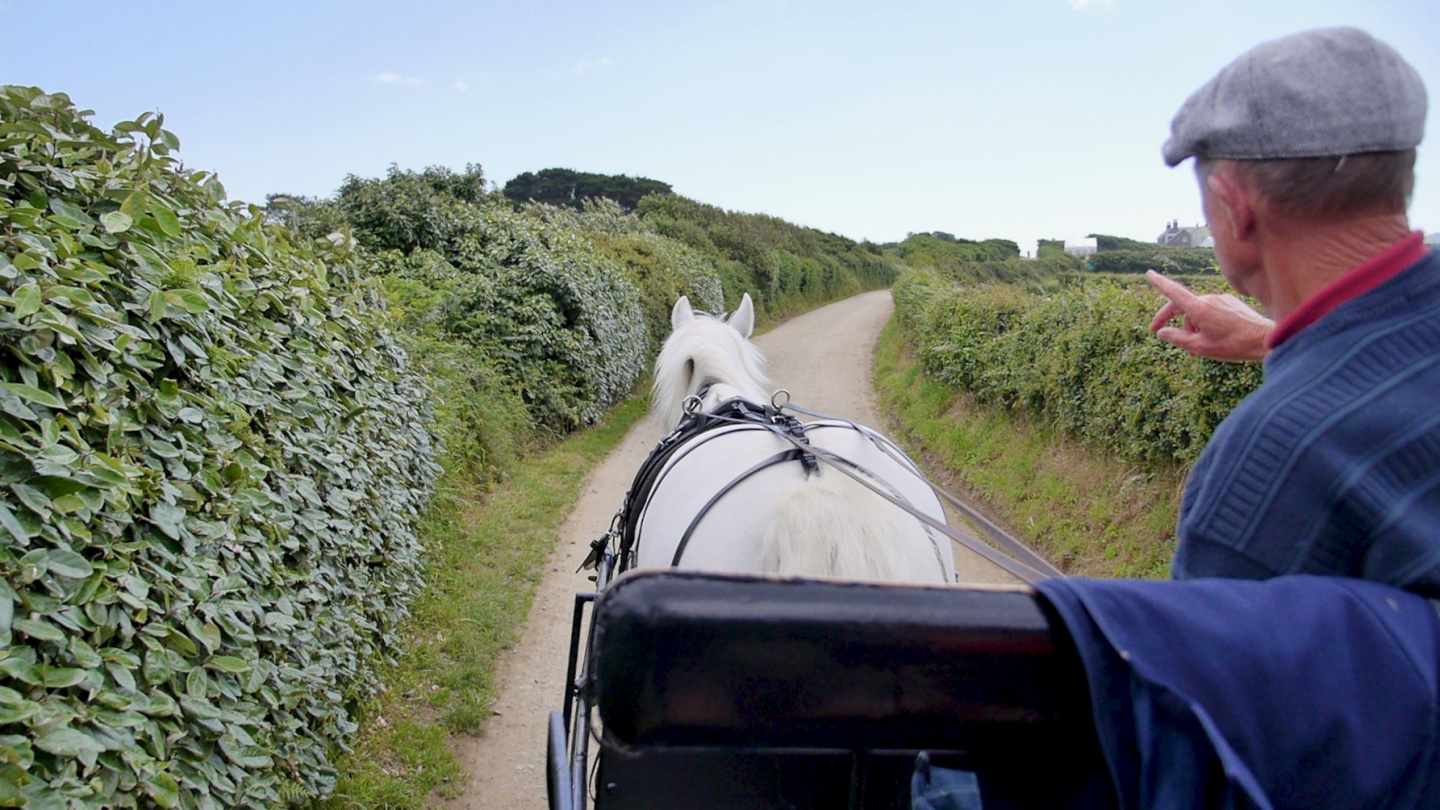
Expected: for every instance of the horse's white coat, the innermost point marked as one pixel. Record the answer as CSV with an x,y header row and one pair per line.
x,y
776,520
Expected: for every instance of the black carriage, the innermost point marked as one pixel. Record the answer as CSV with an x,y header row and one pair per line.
x,y
697,690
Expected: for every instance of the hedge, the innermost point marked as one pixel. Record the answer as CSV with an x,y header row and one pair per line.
x,y
1082,360
1169,260
662,269
212,455
561,320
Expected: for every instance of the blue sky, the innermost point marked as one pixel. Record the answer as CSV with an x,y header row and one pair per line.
x,y
1017,119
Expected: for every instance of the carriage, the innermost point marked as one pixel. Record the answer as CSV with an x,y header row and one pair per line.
x,y
725,691
750,681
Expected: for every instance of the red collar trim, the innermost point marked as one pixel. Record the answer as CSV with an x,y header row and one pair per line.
x,y
1355,282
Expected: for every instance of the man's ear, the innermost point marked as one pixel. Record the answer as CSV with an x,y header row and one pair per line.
x,y
1236,202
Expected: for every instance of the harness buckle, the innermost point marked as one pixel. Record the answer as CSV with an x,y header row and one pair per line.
x,y
598,547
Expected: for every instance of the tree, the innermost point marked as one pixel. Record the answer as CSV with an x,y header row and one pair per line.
x,y
568,187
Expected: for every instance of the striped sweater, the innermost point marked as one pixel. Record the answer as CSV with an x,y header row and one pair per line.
x,y
1332,466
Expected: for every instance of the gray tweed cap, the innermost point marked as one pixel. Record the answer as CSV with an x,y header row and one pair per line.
x,y
1322,93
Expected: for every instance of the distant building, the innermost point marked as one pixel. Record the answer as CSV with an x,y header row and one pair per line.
x,y
1432,238
1082,247
1176,236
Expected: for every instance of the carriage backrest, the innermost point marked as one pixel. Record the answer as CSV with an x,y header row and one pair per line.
x,y
690,659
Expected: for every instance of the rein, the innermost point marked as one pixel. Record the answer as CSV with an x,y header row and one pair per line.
x,y
1040,567
772,418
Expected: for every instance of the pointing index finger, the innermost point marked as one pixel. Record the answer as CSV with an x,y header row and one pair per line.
x,y
1174,290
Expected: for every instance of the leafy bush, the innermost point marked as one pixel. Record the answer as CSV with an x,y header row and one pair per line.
x,y
1082,360
1105,242
1170,260
408,211
662,269
942,248
212,455
532,300
993,260
559,319
480,416
785,266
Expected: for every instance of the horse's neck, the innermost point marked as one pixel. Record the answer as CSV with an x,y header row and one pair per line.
x,y
719,392
727,377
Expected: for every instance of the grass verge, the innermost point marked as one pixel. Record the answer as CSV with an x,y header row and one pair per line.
x,y
488,552
1086,511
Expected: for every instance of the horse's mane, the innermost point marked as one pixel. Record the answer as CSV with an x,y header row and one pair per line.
x,y
706,350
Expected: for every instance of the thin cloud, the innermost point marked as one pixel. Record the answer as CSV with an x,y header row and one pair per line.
x,y
1081,5
590,67
461,86
396,79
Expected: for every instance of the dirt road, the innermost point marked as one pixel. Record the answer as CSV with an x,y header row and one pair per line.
x,y
824,359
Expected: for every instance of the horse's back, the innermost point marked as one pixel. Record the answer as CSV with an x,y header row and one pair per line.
x,y
720,493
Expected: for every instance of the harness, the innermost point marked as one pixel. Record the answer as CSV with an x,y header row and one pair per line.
x,y
690,434
698,427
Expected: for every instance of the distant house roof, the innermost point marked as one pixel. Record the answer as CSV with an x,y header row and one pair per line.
x,y
1082,247
1176,236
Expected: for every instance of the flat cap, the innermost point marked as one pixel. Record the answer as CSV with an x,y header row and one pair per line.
x,y
1321,93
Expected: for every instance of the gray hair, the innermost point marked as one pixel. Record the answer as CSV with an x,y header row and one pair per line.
x,y
1329,187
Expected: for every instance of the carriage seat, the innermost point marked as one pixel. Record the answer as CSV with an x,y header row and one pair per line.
x,y
694,662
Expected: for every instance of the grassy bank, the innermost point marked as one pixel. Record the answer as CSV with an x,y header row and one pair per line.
x,y
488,552
1088,513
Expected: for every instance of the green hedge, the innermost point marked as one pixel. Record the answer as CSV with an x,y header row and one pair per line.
x,y
212,454
786,267
480,416
662,269
1081,359
993,260
559,319
1168,260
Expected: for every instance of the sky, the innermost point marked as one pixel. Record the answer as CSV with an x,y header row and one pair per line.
x,y
1016,119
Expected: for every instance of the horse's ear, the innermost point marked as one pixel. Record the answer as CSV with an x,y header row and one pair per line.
x,y
744,318
682,313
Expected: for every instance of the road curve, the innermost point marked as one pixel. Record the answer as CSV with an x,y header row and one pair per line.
x,y
824,358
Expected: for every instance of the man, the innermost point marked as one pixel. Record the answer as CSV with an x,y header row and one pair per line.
x,y
1305,151
1299,691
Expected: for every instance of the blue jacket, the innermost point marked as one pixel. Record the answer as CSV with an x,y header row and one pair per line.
x,y
1333,465
1295,692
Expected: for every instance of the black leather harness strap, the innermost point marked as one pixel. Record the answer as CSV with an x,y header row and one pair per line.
x,y
687,436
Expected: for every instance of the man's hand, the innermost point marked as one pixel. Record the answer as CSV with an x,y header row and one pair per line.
x,y
1220,327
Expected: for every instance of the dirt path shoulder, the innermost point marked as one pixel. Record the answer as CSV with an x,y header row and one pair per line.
x,y
824,359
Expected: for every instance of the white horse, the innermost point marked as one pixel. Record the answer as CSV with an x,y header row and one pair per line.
x,y
725,501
